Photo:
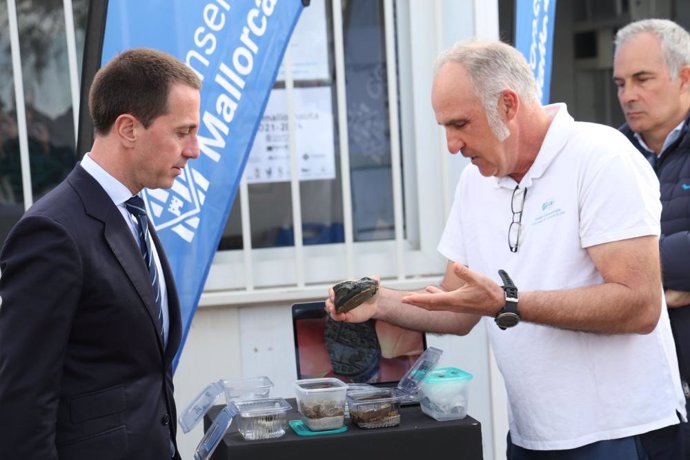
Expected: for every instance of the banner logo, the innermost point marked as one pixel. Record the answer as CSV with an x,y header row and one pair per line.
x,y
178,208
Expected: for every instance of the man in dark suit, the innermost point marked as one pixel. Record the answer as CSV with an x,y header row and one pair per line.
x,y
89,320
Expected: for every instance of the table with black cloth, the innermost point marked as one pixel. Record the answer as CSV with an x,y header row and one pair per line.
x,y
416,438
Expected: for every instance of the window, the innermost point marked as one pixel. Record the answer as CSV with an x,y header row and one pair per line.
x,y
360,195
315,103
353,207
37,127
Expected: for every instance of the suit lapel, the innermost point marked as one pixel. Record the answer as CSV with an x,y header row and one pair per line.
x,y
119,238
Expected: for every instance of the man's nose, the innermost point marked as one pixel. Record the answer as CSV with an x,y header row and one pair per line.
x,y
455,144
192,150
626,93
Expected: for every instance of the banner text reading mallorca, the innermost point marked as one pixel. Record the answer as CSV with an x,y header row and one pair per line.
x,y
230,76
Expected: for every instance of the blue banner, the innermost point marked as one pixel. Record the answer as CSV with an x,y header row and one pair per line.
x,y
534,21
235,47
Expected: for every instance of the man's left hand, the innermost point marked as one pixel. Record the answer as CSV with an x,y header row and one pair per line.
x,y
478,295
675,299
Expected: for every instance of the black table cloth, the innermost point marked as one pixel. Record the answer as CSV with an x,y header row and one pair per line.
x,y
418,437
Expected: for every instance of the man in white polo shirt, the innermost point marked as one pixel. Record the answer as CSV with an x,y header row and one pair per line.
x,y
553,241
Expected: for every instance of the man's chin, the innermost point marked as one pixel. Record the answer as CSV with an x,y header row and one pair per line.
x,y
486,171
636,124
165,183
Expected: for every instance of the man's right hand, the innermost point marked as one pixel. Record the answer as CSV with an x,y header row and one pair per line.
x,y
361,313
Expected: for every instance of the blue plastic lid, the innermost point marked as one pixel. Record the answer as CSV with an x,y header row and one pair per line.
x,y
301,429
447,374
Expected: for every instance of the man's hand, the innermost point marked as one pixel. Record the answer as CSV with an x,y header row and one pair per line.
x,y
361,313
675,299
478,295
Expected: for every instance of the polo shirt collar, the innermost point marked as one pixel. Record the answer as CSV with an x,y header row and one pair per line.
x,y
554,142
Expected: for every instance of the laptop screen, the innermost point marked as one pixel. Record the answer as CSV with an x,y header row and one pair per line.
x,y
374,352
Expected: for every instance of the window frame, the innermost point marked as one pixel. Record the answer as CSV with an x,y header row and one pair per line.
x,y
426,183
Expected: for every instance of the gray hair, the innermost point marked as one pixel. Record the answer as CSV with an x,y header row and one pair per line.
x,y
493,67
675,41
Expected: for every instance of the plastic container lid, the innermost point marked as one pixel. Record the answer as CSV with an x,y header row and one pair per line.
x,y
354,388
255,407
200,405
215,433
249,388
259,407
320,385
410,383
374,396
447,375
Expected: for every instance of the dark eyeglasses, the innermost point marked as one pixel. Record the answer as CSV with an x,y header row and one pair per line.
x,y
517,202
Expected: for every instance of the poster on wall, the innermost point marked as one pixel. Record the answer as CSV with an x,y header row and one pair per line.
x,y
269,159
308,46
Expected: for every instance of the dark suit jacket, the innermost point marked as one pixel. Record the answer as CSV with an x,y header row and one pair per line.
x,y
83,371
673,171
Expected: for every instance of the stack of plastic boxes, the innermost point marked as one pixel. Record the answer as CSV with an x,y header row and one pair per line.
x,y
258,416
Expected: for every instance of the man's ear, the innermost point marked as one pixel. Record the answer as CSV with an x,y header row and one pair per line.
x,y
684,76
125,127
508,103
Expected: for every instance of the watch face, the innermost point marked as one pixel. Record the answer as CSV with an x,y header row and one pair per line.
x,y
507,319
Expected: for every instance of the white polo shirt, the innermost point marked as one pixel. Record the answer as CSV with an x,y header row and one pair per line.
x,y
587,186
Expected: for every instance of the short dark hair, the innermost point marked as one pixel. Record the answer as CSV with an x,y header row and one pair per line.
x,y
136,81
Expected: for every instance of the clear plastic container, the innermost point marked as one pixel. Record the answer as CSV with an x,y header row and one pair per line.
x,y
444,393
261,418
321,402
376,408
249,388
354,388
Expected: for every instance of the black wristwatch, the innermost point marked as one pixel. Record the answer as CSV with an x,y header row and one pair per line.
x,y
508,316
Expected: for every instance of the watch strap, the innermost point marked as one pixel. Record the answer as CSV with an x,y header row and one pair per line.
x,y
510,309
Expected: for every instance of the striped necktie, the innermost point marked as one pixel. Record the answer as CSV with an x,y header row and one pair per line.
x,y
135,206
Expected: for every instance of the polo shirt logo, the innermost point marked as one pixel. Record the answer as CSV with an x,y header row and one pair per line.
x,y
685,186
549,210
